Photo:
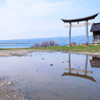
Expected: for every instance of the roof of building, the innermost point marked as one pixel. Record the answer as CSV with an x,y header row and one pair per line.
x,y
95,27
80,19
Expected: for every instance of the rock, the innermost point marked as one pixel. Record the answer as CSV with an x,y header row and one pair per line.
x,y
63,62
51,64
43,58
9,83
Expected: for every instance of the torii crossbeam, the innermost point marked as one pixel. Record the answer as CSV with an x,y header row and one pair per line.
x,y
70,21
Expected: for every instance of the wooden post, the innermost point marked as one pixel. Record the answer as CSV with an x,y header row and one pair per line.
x,y
87,42
86,64
69,42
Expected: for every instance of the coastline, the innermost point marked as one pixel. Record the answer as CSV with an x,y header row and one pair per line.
x,y
19,52
23,52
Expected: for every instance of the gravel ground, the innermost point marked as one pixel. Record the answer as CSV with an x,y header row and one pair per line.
x,y
7,94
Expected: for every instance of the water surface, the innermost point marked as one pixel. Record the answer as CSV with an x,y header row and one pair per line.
x,y
16,45
53,75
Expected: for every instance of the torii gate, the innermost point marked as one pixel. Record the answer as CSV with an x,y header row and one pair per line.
x,y
70,21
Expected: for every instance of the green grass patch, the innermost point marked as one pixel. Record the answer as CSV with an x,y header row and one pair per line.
x,y
92,48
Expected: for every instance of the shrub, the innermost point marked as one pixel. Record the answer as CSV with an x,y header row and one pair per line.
x,y
45,44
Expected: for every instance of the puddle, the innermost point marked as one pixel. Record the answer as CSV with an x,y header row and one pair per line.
x,y
56,76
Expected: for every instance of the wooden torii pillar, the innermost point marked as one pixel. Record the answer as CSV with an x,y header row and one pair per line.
x,y
87,40
70,21
69,35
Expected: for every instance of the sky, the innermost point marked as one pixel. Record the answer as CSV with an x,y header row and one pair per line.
x,y
21,19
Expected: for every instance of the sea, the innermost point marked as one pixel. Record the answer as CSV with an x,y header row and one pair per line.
x,y
20,45
16,45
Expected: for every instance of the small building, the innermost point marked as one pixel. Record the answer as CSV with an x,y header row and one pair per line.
x,y
96,33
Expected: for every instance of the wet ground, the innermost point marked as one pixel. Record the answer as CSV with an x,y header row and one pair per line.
x,y
50,76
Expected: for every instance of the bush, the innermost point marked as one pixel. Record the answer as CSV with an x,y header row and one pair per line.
x,y
45,44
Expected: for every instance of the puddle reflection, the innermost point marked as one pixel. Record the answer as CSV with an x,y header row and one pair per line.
x,y
41,76
95,62
76,72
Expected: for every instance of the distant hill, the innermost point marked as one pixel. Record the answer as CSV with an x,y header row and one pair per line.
x,y
59,40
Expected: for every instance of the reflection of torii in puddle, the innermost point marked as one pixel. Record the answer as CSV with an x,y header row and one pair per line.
x,y
77,70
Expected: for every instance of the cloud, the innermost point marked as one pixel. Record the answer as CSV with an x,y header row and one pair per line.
x,y
20,17
36,18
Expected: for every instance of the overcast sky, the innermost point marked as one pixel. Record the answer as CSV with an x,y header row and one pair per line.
x,y
21,19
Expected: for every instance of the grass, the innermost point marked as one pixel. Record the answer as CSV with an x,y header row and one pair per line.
x,y
91,49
